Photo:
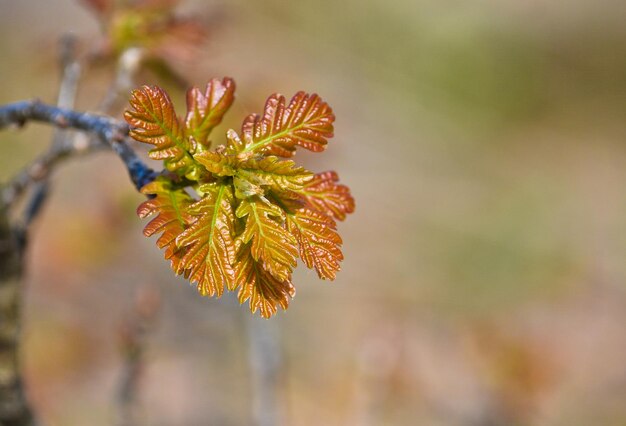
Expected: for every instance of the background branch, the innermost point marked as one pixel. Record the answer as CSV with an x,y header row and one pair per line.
x,y
127,66
14,408
70,74
265,358
133,333
42,166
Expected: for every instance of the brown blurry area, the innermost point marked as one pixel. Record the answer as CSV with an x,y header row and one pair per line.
x,y
485,144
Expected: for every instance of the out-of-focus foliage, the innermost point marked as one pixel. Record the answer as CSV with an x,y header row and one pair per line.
x,y
256,211
151,25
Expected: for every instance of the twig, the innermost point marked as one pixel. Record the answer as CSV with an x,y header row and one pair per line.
x,y
41,167
133,336
110,131
127,66
70,74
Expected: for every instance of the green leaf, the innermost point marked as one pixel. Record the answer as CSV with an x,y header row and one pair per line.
x,y
205,110
252,176
272,172
307,122
218,163
208,241
271,244
245,189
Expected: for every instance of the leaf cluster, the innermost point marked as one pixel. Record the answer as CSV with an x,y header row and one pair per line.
x,y
238,216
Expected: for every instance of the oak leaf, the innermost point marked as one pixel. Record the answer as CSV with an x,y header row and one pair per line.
x,y
307,122
170,205
209,250
205,109
264,290
324,194
318,241
153,120
271,243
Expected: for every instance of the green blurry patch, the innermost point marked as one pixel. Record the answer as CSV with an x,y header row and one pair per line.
x,y
503,254
458,62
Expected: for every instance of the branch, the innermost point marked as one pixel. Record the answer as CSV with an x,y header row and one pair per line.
x,y
265,358
110,131
133,336
70,74
127,66
14,407
41,167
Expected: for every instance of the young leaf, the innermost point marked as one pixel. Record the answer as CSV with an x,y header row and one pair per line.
x,y
154,121
208,242
324,194
205,110
217,163
234,144
256,212
264,290
272,244
244,189
280,175
255,173
307,122
170,205
318,241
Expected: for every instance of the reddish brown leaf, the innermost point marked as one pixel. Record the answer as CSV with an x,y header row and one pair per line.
x,y
307,122
154,121
170,205
205,109
318,241
272,244
324,194
208,242
265,291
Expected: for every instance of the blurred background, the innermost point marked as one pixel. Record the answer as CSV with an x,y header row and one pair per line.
x,y
484,276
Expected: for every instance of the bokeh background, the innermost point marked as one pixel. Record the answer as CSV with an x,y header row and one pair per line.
x,y
484,279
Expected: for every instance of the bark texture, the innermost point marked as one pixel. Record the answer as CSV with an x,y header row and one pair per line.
x,y
14,408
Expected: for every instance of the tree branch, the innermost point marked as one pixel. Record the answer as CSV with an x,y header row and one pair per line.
x,y
41,167
265,358
128,65
14,407
70,74
133,335
110,131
